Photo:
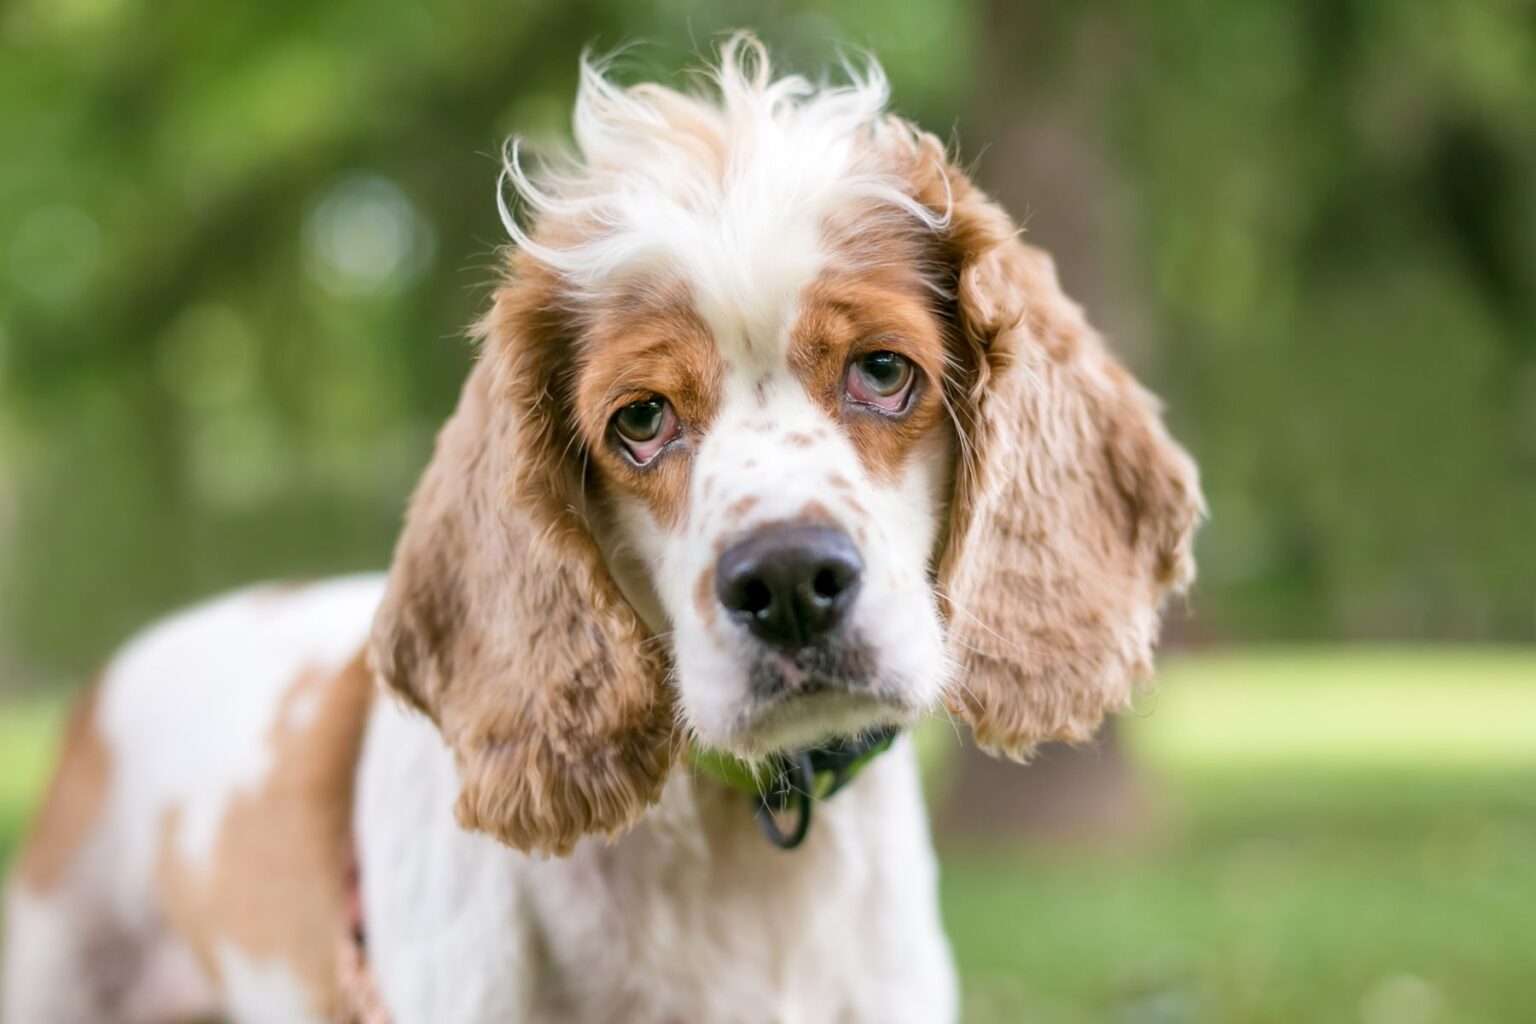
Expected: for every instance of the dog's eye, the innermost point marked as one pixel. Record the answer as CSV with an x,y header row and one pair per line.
x,y
881,379
645,427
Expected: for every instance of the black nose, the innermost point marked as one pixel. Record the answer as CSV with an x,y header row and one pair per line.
x,y
790,585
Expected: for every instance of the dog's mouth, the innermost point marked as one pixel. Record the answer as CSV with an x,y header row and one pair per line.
x,y
803,701
807,721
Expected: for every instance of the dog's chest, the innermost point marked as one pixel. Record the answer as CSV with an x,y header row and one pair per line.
x,y
743,932
691,917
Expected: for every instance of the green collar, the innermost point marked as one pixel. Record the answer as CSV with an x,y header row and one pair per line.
x,y
796,779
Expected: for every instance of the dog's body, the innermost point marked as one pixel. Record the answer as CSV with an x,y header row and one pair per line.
x,y
211,879
779,435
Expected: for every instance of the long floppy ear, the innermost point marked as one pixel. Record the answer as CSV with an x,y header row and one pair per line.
x,y
1073,509
500,620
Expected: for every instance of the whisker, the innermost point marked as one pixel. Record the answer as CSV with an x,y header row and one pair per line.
x,y
957,606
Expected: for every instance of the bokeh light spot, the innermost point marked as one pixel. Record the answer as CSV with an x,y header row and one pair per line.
x,y
367,237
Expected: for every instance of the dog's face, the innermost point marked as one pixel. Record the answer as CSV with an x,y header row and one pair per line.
x,y
779,433
776,468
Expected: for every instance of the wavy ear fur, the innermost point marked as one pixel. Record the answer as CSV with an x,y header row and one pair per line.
x,y
500,619
1073,509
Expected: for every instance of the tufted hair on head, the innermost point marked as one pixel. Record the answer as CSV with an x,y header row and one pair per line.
x,y
650,159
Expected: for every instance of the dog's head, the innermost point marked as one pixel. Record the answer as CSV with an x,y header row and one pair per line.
x,y
779,432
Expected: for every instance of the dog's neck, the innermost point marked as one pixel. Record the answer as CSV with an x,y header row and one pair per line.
x,y
701,843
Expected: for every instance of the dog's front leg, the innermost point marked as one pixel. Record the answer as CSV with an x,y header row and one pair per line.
x,y
446,935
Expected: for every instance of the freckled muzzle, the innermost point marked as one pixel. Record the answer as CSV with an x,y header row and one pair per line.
x,y
790,585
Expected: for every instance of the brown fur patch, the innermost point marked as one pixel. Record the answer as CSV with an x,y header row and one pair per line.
x,y
280,589
741,506
650,343
74,801
704,597
275,887
848,313
814,512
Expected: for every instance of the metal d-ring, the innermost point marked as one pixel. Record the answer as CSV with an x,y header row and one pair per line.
x,y
792,788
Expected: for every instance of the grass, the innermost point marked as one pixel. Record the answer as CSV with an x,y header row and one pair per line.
x,y
1346,836
1342,836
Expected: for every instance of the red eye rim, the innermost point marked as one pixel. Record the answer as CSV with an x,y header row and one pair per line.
x,y
862,389
642,451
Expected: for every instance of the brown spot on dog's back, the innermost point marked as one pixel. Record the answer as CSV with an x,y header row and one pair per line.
x,y
741,506
796,439
74,801
275,884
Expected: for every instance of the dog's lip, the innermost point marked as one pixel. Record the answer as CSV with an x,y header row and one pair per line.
x,y
807,717
820,691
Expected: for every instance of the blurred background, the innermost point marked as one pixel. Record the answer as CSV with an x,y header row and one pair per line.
x,y
239,244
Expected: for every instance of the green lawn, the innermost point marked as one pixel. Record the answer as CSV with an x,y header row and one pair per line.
x,y
1343,836
1347,837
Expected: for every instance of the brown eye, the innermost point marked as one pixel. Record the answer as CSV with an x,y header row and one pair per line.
x,y
881,379
640,421
645,427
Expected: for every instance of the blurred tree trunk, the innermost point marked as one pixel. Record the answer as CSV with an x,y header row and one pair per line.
x,y
1043,161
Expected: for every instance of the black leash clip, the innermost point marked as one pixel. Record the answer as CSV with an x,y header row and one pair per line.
x,y
790,787
793,783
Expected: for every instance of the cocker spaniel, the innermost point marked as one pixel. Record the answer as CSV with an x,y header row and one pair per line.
x,y
779,438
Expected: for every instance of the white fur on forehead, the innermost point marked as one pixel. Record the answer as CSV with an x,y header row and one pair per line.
x,y
730,189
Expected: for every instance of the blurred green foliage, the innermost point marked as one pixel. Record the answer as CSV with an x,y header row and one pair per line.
x,y
239,244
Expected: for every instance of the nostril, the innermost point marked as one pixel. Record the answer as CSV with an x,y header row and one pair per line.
x,y
828,583
753,597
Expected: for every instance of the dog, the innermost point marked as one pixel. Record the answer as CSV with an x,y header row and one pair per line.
x,y
779,438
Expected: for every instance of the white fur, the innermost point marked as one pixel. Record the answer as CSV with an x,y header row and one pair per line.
x,y
744,226
261,991
689,917
39,932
